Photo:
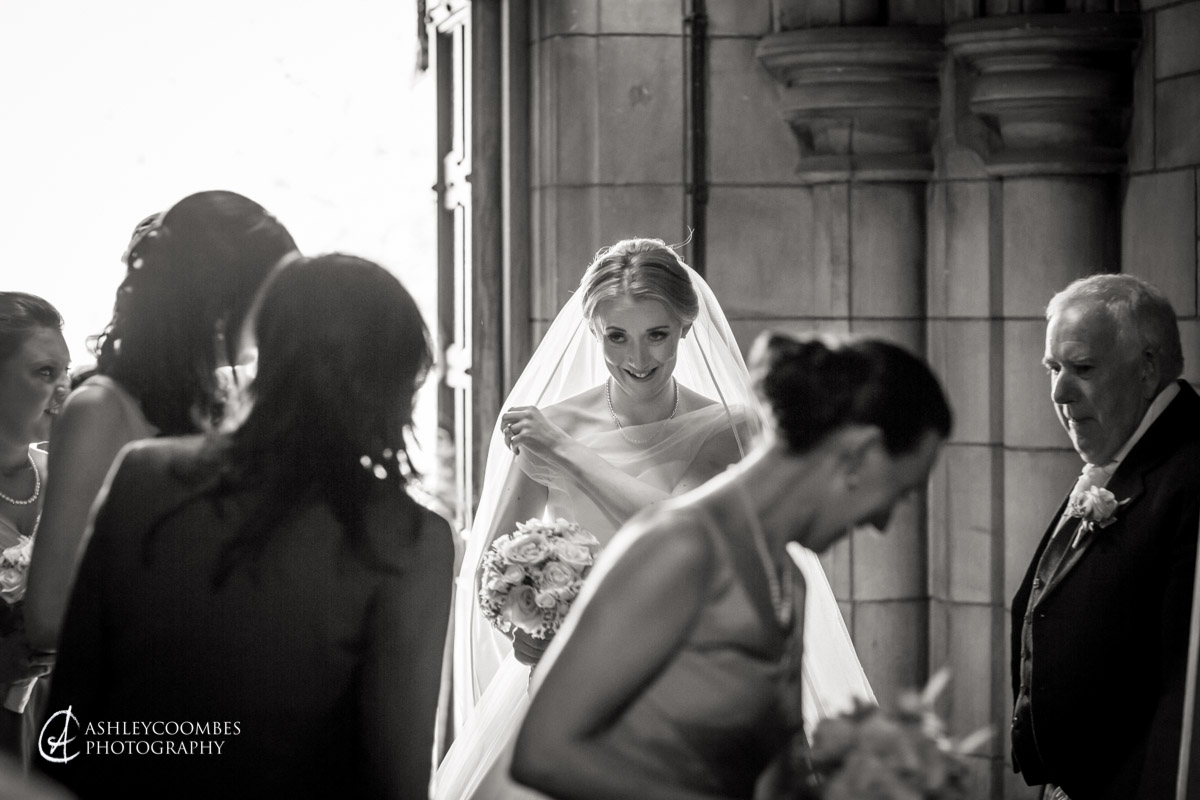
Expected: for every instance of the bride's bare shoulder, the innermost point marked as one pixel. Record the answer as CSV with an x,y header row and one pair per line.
x,y
583,408
691,400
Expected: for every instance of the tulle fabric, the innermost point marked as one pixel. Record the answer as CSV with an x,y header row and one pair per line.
x,y
569,361
490,687
476,766
833,679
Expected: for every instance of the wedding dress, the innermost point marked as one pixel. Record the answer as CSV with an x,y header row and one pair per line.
x,y
490,686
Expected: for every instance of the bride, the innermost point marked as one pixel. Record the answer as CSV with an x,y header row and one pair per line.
x,y
638,392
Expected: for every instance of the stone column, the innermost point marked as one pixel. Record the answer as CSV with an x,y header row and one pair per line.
x,y
607,120
862,103
1026,199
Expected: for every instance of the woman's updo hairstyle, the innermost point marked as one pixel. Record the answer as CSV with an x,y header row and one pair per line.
x,y
644,269
21,315
192,273
815,386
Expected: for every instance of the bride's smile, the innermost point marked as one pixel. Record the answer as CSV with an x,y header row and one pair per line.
x,y
640,337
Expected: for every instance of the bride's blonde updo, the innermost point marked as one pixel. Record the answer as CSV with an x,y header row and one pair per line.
x,y
643,269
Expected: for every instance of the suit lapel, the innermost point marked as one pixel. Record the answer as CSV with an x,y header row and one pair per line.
x,y
1126,486
1025,597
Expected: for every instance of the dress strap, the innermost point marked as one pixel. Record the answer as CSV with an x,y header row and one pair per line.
x,y
780,580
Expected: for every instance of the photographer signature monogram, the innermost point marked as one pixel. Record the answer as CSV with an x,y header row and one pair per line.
x,y
60,742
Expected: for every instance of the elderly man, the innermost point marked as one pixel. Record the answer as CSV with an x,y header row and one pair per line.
x,y
1100,623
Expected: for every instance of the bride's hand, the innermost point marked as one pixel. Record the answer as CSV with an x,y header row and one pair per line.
x,y
528,650
526,426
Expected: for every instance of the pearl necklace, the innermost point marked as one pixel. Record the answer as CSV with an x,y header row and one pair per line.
x,y
779,588
37,486
621,428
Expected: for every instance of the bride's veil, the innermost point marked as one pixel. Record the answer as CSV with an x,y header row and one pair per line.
x,y
569,361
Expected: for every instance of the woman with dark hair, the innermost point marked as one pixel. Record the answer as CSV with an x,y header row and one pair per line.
x,y
192,273
278,578
33,383
700,696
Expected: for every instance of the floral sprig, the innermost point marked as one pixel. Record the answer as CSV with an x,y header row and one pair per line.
x,y
869,754
530,577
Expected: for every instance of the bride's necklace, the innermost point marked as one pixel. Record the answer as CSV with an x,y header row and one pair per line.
x,y
780,588
37,486
621,428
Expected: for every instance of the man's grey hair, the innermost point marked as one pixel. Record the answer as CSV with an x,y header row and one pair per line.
x,y
1144,317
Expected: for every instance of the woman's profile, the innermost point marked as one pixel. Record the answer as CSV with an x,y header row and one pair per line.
x,y
703,695
34,378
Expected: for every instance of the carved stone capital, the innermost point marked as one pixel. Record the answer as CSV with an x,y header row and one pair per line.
x,y
1053,91
862,102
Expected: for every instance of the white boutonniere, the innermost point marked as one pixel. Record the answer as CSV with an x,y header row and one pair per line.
x,y
1095,507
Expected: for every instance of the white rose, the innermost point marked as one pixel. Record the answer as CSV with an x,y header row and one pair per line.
x,y
1103,502
527,548
1093,504
522,609
12,585
572,553
577,535
557,576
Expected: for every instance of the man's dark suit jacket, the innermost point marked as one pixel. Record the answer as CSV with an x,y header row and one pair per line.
x,y
1110,629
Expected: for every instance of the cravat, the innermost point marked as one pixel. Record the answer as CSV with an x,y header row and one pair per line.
x,y
1089,477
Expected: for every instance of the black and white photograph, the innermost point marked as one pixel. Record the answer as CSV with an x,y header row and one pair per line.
x,y
600,400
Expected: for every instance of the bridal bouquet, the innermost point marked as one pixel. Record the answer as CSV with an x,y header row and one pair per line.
x,y
14,566
530,577
869,754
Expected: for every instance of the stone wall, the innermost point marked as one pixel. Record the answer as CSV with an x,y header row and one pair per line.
x,y
866,176
1159,220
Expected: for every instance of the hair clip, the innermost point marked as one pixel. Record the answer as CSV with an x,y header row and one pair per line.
x,y
377,468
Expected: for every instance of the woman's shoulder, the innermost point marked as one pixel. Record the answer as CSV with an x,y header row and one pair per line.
x,y
723,431
693,402
98,396
102,389
578,410
407,531
167,449
585,401
95,423
677,518
673,537
434,524
103,402
147,466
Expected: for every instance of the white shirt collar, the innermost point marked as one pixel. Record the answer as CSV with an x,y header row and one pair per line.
x,y
1155,410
